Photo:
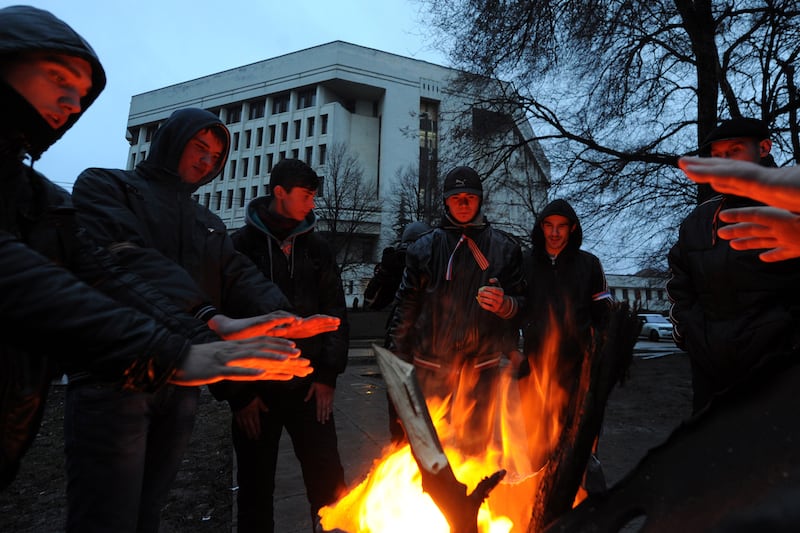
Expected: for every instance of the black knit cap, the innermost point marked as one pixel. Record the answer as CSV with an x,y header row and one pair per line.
x,y
462,179
739,127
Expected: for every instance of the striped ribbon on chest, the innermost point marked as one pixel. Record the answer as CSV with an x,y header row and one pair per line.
x,y
483,263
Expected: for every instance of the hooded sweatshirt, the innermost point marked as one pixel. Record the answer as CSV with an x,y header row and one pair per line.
x,y
571,287
150,220
303,265
49,317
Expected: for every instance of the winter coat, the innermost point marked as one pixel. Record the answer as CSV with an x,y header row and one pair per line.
x,y
304,267
572,286
53,318
439,320
150,220
729,309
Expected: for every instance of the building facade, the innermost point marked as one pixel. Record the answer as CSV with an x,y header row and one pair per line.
x,y
347,111
646,293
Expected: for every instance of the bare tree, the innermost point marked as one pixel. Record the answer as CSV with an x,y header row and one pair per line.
x,y
349,209
619,89
408,199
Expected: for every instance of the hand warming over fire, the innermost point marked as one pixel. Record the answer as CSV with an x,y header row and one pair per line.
x,y
778,187
755,228
248,418
257,326
492,298
323,395
245,360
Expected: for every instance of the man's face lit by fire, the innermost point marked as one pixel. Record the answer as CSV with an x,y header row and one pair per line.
x,y
741,149
556,229
53,84
295,204
463,206
201,155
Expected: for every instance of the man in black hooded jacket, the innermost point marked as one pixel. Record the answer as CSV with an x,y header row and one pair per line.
x,y
148,218
568,300
53,315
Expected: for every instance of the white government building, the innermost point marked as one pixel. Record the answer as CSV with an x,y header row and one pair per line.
x,y
394,114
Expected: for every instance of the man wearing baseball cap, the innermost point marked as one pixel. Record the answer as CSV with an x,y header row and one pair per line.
x,y
731,311
462,286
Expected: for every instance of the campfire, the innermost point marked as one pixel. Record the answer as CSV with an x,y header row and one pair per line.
x,y
524,429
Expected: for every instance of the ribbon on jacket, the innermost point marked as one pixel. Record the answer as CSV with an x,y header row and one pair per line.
x,y
483,263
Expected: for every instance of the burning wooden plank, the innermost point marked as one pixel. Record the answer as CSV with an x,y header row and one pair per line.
x,y
450,495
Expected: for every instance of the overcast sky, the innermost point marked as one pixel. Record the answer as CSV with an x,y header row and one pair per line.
x,y
147,44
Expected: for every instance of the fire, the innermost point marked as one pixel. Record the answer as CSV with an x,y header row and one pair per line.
x,y
525,427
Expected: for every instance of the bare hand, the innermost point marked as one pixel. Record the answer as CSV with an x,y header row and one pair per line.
x,y
778,187
756,228
248,418
257,326
245,360
324,398
308,327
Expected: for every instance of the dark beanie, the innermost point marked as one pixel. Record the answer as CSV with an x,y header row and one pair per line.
x,y
738,127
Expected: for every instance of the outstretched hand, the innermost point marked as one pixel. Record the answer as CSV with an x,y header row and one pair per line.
x,y
778,187
262,358
245,328
307,327
754,228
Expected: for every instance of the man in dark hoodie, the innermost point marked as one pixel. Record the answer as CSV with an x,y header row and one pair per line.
x,y
279,237
149,219
67,305
462,286
730,310
568,299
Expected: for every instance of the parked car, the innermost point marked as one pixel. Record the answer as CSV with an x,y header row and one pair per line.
x,y
655,327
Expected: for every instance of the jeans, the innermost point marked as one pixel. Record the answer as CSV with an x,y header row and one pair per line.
x,y
315,446
123,450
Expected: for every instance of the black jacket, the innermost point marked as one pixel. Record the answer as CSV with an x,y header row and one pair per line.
x,y
53,318
440,320
303,265
729,308
572,286
150,220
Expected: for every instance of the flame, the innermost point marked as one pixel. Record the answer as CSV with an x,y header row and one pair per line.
x,y
524,426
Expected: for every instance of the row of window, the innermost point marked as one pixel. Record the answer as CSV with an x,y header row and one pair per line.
x,y
240,168
622,294
280,104
237,197
273,130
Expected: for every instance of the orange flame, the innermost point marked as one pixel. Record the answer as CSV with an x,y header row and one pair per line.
x,y
525,427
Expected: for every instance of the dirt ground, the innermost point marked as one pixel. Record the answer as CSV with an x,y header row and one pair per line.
x,y
639,416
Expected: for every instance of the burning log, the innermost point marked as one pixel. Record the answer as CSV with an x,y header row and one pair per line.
x,y
438,480
605,365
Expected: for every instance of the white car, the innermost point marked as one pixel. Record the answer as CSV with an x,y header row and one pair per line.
x,y
655,327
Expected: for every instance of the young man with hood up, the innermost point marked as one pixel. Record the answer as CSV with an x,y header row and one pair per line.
x,y
730,310
567,290
462,286
279,237
67,306
149,219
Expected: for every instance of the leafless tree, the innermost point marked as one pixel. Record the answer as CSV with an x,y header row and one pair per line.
x,y
617,90
349,209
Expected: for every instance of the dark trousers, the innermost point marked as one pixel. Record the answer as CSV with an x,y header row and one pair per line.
x,y
123,450
315,446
